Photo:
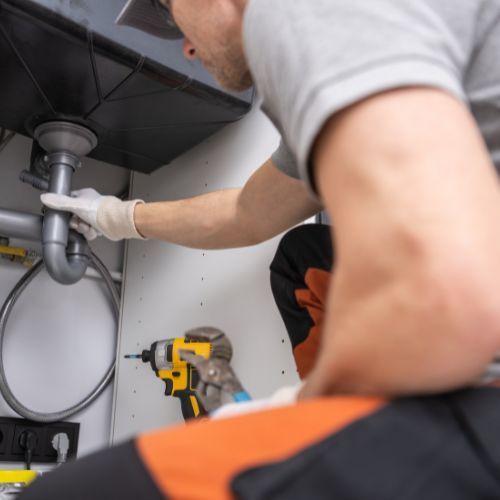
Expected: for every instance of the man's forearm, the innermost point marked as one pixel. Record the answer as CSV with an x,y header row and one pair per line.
x,y
268,204
210,221
403,338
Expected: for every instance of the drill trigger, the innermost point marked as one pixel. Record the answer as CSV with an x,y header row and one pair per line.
x,y
169,387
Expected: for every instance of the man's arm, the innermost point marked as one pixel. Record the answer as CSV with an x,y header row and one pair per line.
x,y
415,303
267,205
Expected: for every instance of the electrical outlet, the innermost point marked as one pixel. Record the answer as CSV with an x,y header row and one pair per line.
x,y
16,448
12,428
6,437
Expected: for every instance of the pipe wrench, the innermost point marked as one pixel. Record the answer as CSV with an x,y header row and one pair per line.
x,y
216,376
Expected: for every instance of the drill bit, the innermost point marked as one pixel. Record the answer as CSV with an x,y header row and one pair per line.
x,y
133,356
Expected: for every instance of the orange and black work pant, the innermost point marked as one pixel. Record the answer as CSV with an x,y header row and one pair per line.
x,y
437,448
341,448
300,277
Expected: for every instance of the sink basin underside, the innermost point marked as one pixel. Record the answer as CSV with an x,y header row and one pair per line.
x,y
143,113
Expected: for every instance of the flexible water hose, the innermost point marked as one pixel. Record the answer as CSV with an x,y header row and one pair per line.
x,y
9,397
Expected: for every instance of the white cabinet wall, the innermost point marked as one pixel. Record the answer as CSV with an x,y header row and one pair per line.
x,y
169,290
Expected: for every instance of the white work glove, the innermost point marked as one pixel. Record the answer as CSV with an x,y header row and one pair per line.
x,y
95,215
282,397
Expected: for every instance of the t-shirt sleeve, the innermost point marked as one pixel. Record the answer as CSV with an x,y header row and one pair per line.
x,y
329,54
285,161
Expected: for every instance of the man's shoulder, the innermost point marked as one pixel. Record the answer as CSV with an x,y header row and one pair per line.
x,y
313,59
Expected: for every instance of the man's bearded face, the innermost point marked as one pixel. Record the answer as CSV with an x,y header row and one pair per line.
x,y
214,28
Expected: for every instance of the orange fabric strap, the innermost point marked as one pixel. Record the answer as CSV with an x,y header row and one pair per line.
x,y
199,460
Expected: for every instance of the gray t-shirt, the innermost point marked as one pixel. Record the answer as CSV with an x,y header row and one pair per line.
x,y
313,58
285,160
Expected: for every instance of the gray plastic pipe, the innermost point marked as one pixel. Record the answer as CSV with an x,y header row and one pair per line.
x,y
65,253
20,225
64,266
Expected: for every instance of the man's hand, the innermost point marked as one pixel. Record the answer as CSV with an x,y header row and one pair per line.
x,y
95,215
83,205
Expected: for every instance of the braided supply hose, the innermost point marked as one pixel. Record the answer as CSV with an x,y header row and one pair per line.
x,y
5,312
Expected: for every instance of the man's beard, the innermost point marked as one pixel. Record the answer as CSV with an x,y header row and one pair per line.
x,y
230,70
235,81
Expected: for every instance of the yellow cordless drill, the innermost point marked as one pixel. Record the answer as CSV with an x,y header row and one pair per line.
x,y
181,378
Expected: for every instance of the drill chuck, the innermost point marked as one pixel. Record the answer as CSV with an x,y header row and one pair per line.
x,y
145,357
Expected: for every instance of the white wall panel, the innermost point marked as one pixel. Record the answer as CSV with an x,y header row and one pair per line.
x,y
170,289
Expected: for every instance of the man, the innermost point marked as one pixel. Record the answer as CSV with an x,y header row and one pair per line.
x,y
374,142
389,112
